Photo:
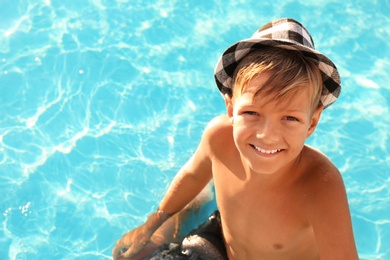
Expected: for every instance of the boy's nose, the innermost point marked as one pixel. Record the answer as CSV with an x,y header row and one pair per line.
x,y
268,131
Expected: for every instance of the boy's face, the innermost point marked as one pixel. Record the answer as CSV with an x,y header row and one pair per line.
x,y
270,134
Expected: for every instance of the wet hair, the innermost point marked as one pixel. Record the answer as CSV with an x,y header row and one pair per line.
x,y
290,72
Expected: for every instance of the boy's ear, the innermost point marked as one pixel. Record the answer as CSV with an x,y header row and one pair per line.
x,y
314,120
229,104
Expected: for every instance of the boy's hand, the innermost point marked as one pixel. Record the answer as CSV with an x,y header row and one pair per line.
x,y
131,243
135,240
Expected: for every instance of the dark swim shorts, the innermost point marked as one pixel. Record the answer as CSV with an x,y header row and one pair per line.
x,y
204,243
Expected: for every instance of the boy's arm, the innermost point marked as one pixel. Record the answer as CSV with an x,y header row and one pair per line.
x,y
188,183
194,175
329,215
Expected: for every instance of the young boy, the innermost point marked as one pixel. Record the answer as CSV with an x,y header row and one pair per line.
x,y
277,197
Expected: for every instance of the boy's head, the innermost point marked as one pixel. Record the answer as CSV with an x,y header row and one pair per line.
x,y
290,73
290,45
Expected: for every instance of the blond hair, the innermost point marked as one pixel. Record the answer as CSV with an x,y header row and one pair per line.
x,y
290,72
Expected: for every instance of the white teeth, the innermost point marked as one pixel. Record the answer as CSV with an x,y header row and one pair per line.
x,y
266,151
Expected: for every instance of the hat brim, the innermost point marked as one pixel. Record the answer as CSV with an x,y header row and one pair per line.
x,y
229,60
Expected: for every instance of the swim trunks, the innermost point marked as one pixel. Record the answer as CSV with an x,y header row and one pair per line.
x,y
204,243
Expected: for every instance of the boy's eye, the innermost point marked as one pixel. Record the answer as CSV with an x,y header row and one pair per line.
x,y
291,118
252,113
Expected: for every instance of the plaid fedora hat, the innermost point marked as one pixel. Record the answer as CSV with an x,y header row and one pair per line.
x,y
281,33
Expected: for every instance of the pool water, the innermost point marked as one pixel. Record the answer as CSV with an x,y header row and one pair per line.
x,y
101,102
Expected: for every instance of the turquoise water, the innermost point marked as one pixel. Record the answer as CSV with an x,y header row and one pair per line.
x,y
102,101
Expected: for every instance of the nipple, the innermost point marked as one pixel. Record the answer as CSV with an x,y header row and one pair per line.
x,y
278,246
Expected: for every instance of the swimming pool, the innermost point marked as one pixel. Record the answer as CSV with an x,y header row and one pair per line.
x,y
101,102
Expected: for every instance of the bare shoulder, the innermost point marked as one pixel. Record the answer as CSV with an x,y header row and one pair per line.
x,y
322,179
327,207
218,124
218,130
215,138
320,170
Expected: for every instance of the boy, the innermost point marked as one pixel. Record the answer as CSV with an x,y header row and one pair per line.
x,y
277,197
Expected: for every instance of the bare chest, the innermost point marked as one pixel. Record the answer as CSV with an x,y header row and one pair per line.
x,y
261,221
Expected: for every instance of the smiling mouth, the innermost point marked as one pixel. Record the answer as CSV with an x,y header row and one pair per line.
x,y
266,151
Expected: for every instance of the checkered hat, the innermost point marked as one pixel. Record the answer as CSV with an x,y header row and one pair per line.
x,y
283,33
